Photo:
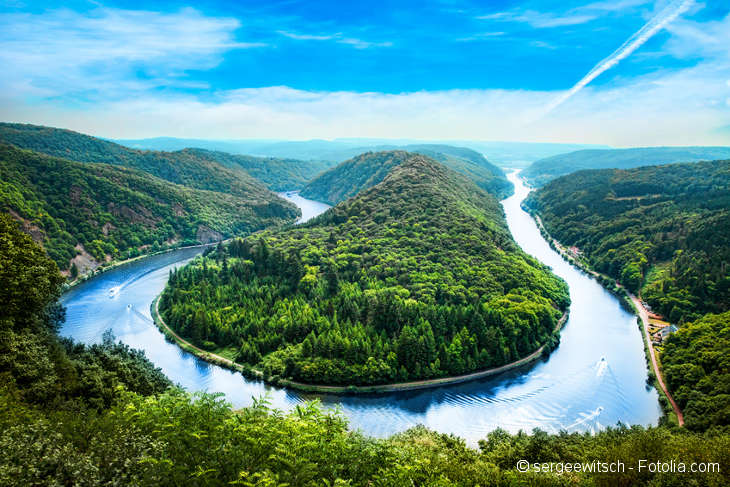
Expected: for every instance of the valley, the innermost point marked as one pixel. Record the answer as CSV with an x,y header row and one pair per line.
x,y
572,389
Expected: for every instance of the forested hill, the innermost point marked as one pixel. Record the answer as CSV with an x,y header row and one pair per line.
x,y
189,168
366,170
104,415
663,231
276,173
542,171
413,278
99,211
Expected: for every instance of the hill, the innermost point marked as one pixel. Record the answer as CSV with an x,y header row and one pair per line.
x,y
415,277
189,168
104,415
663,232
544,170
504,154
84,214
367,170
276,173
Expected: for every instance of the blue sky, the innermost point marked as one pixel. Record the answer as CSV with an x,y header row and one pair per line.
x,y
498,70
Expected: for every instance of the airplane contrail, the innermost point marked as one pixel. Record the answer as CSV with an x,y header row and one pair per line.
x,y
658,22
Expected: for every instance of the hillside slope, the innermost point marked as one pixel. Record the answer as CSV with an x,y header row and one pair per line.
x,y
544,170
101,211
415,277
661,230
276,173
367,170
189,168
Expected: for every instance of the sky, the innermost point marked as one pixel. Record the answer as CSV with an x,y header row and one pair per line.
x,y
617,72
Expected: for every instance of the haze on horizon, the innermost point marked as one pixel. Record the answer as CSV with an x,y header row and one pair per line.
x,y
620,73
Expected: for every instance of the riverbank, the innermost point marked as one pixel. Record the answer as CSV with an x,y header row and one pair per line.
x,y
669,406
117,263
352,389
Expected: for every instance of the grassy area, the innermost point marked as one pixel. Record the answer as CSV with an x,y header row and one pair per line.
x,y
229,352
655,273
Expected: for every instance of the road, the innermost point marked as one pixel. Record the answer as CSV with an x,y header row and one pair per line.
x,y
652,354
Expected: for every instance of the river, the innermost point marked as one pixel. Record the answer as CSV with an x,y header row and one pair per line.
x,y
596,377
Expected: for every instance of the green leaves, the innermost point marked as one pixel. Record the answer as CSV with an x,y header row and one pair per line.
x,y
422,259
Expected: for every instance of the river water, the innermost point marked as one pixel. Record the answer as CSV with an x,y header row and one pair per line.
x,y
595,378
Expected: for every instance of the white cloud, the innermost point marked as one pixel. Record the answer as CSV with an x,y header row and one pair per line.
x,y
337,37
674,107
539,20
681,108
480,36
61,50
574,16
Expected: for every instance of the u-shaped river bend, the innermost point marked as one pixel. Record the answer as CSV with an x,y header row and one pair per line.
x,y
595,378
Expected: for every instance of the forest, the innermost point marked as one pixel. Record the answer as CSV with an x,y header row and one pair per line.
x,y
696,365
276,173
664,233
194,169
366,170
414,278
117,212
103,415
544,170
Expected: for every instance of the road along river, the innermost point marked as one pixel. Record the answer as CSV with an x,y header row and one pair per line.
x,y
595,378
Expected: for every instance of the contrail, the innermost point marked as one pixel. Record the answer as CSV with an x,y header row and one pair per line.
x,y
658,22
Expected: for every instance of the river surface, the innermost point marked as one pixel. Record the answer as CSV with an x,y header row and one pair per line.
x,y
595,378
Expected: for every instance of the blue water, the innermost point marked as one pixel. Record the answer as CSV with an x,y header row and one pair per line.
x,y
595,378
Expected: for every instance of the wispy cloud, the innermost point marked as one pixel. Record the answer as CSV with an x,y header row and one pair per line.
x,y
539,20
337,37
481,36
60,50
569,17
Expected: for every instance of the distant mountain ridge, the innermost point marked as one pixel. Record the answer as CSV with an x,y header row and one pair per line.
x,y
503,154
189,168
276,173
367,170
544,170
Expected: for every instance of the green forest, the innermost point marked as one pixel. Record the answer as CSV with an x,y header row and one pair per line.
x,y
368,169
544,170
189,168
414,278
663,232
696,365
103,415
117,212
276,173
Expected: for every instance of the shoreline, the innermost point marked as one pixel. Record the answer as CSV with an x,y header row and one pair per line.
x,y
117,263
332,389
673,411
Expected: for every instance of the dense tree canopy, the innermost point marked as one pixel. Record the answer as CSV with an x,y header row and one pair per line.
x,y
416,277
189,168
368,169
119,212
661,230
696,364
277,174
